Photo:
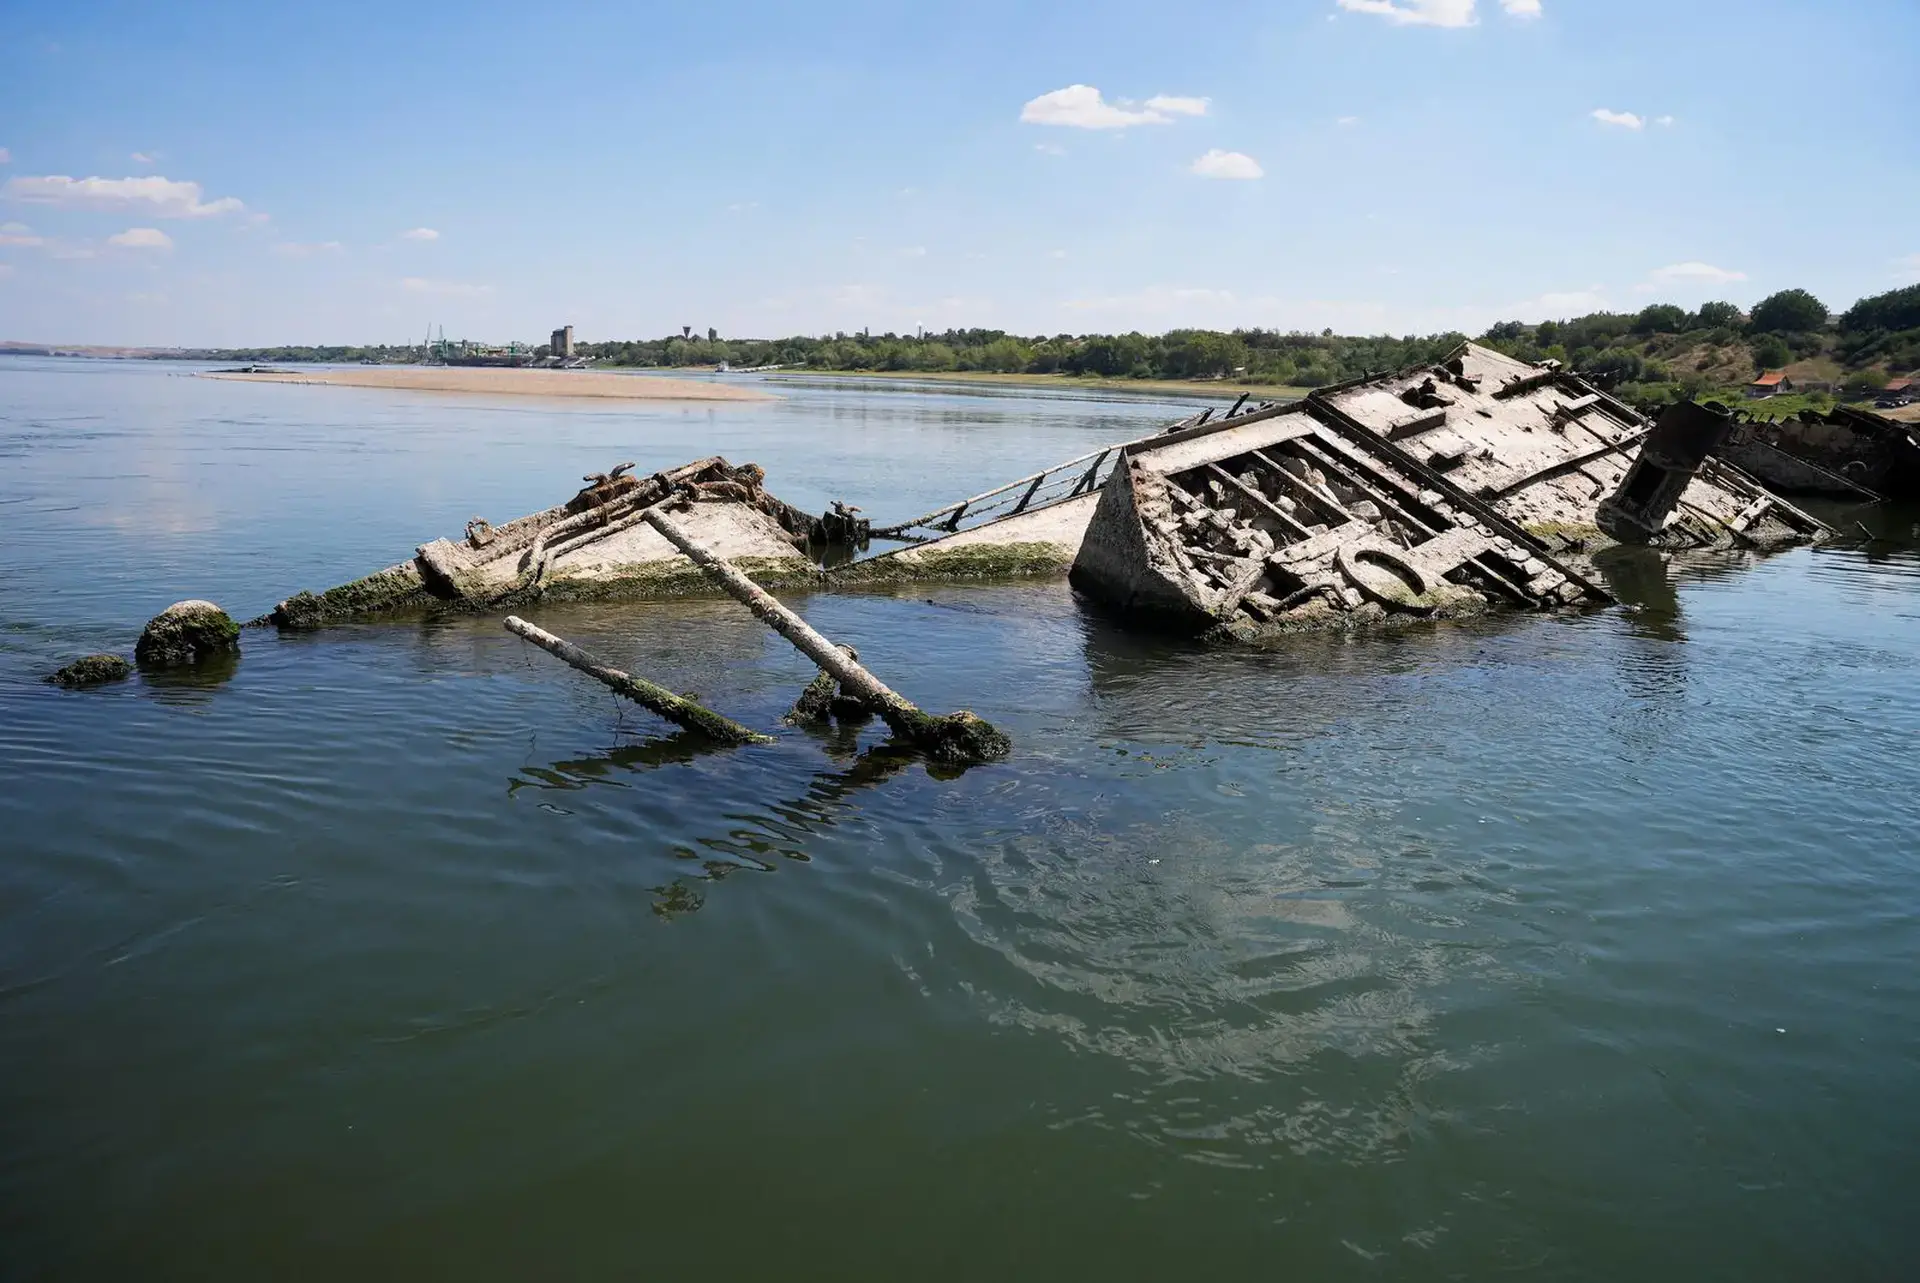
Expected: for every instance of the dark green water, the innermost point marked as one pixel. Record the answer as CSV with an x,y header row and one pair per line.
x,y
1573,948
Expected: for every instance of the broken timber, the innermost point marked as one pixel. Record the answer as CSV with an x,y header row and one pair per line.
x,y
955,739
677,709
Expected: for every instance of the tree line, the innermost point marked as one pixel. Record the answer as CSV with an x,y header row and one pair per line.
x,y
1658,354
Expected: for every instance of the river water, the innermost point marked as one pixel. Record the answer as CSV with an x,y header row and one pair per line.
x,y
1573,948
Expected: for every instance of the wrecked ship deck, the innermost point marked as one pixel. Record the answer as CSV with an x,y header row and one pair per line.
x,y
1481,481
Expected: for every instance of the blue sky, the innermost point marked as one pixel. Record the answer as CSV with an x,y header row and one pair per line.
x,y
354,172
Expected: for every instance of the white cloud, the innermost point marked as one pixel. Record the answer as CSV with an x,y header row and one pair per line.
x,y
160,197
142,158
420,234
141,238
914,251
1058,253
1665,122
5,156
1624,119
444,289
1173,106
1050,149
738,207
306,249
1694,274
19,234
1082,107
1347,121
1521,8
147,298
1227,164
1417,13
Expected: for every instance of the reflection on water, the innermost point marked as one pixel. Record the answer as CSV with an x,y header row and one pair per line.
x,y
1569,944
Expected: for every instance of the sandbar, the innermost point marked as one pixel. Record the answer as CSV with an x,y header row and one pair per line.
x,y
479,380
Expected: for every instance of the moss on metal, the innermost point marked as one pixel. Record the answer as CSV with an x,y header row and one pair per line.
x,y
958,739
393,589
969,561
94,670
680,578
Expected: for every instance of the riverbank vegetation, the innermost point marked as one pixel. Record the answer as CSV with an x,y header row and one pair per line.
x,y
1659,354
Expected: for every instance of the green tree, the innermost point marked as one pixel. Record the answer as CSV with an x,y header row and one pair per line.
x,y
1660,318
1894,310
1713,316
1771,353
1862,385
1789,312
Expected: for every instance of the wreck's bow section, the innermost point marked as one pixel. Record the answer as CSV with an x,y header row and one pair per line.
x,y
1300,521
1554,455
596,546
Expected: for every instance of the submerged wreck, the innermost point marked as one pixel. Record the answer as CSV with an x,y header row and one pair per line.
x,y
595,546
1846,453
1478,482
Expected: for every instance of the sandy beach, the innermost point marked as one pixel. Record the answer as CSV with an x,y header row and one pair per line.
x,y
503,382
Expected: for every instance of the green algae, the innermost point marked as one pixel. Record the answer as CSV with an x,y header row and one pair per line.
x,y
969,561
94,670
394,589
680,578
184,634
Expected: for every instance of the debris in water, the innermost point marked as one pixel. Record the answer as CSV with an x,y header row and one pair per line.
x,y
957,739
677,709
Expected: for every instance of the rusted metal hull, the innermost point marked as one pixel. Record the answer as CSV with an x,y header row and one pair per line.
x,y
1845,453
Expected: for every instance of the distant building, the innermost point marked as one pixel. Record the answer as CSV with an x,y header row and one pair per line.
x,y
561,344
1772,383
1899,392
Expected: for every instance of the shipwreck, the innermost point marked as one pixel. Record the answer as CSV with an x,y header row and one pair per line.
x,y
1475,483
1846,453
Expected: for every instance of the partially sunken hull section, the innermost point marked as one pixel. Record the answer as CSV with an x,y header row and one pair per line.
x,y
1846,453
1548,450
1298,521
596,546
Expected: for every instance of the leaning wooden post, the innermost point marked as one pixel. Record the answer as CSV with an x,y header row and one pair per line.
x,y
675,708
958,738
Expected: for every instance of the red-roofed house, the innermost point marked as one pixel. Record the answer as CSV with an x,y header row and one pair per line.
x,y
1772,383
1898,392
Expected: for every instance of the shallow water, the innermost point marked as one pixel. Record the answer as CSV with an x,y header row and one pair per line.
x,y
1570,947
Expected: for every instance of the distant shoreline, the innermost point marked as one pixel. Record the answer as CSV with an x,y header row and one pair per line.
x,y
1225,389
588,384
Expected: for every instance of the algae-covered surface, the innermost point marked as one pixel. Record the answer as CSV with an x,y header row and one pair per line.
x,y
1566,945
978,561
